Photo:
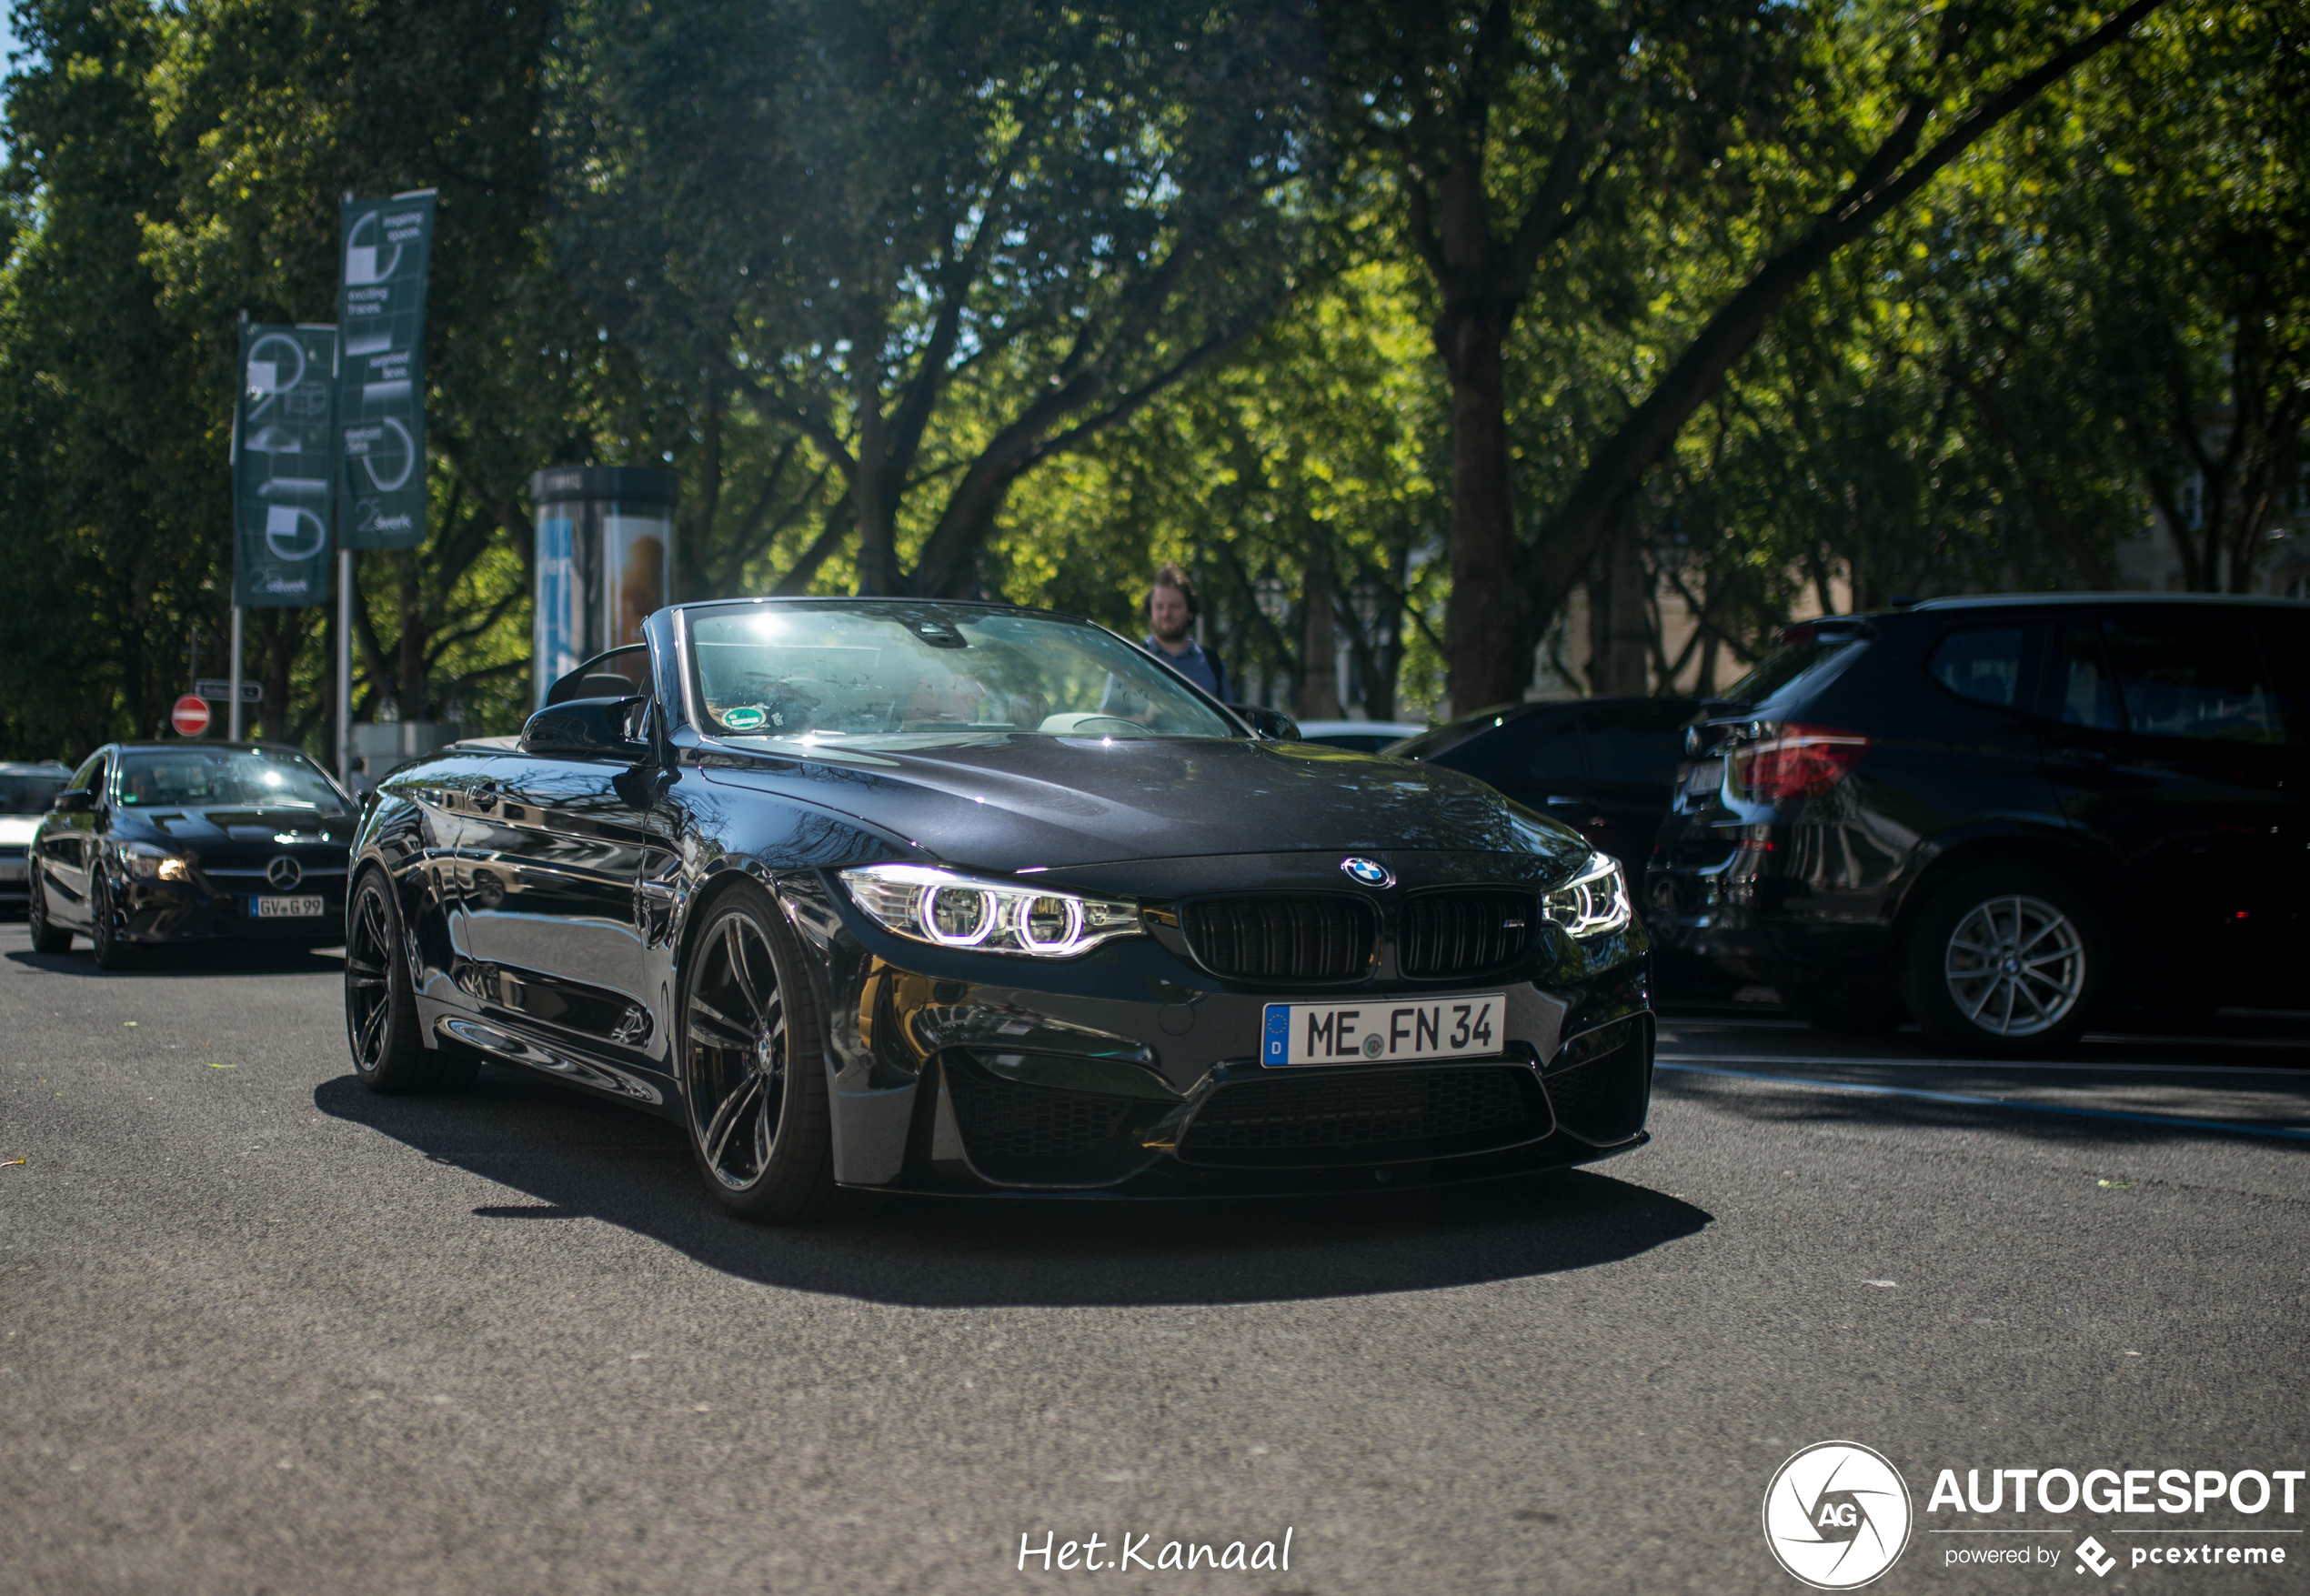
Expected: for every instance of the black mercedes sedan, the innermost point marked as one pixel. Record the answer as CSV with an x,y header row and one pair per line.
x,y
189,841
882,894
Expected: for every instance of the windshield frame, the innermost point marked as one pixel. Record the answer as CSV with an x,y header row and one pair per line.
x,y
693,706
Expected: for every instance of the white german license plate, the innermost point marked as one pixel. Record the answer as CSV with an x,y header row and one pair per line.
x,y
1380,1030
273,908
1705,777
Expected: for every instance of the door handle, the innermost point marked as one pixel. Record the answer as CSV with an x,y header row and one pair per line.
x,y
484,795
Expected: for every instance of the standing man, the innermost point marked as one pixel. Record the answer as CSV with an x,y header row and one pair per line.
x,y
1171,610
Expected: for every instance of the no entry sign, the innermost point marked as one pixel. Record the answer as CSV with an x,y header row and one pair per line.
x,y
190,717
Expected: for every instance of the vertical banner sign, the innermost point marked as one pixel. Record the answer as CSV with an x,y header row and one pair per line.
x,y
380,394
281,465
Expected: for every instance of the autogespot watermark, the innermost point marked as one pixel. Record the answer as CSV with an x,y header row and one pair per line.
x,y
1837,1515
2224,1496
1135,1553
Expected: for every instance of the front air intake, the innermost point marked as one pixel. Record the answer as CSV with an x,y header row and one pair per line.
x,y
1299,940
1362,1116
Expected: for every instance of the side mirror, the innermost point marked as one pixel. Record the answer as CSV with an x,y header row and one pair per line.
x,y
585,726
1270,725
75,801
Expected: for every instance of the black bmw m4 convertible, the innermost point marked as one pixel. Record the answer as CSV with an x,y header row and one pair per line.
x,y
940,897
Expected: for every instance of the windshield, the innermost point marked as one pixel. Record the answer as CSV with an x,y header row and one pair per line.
x,y
194,777
29,795
888,676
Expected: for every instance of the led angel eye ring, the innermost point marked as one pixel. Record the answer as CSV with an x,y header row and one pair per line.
x,y
1071,917
982,926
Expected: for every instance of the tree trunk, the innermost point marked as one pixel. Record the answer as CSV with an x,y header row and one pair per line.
x,y
872,489
1318,649
696,522
282,642
412,673
1483,616
1627,632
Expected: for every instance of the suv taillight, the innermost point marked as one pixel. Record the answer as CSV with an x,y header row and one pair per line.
x,y
1794,762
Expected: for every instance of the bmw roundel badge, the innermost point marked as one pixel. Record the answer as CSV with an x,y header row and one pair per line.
x,y
1371,872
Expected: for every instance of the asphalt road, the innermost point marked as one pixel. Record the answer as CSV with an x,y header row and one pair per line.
x,y
262,1331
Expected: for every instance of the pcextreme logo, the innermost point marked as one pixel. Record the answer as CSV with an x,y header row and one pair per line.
x,y
1837,1515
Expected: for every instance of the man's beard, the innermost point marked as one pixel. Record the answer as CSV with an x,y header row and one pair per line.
x,y
1180,635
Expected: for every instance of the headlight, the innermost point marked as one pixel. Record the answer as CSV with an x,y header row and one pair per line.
x,y
149,862
1592,902
994,917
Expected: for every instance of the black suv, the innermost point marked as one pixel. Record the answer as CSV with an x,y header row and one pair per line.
x,y
2011,816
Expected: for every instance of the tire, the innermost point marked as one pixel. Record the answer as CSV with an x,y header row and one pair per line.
x,y
48,936
389,1054
104,932
1844,1008
2010,960
753,1068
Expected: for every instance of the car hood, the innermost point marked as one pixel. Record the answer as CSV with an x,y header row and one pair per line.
x,y
16,830
1009,803
194,828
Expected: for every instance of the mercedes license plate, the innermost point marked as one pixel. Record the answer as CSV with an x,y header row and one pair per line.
x,y
1705,777
1381,1030
270,908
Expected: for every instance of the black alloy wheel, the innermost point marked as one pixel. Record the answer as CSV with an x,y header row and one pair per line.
x,y
48,936
2010,959
753,1074
389,1054
104,924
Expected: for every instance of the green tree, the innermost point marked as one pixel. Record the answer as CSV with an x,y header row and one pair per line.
x,y
942,244
1523,137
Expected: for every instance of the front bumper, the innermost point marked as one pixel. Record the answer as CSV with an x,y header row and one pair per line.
x,y
163,912
1113,1075
1248,1130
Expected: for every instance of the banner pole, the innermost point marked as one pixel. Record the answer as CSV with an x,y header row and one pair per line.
x,y
233,712
345,665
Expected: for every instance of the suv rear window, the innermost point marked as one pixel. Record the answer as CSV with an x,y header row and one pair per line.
x,y
1785,666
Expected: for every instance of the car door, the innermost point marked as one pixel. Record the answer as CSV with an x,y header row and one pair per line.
x,y
68,842
567,895
1633,751
2168,743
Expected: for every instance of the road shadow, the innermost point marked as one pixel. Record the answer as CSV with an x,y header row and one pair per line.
x,y
2067,1124
580,1157
192,960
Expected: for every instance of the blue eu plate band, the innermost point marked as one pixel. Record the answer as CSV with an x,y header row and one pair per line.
x,y
1275,1049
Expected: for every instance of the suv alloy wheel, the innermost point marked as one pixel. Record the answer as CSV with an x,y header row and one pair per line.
x,y
2008,960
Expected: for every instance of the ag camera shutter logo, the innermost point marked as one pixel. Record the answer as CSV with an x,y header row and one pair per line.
x,y
1837,1515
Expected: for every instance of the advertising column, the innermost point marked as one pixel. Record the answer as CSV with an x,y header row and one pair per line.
x,y
605,560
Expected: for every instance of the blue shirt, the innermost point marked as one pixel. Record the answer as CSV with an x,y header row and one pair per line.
x,y
1198,665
